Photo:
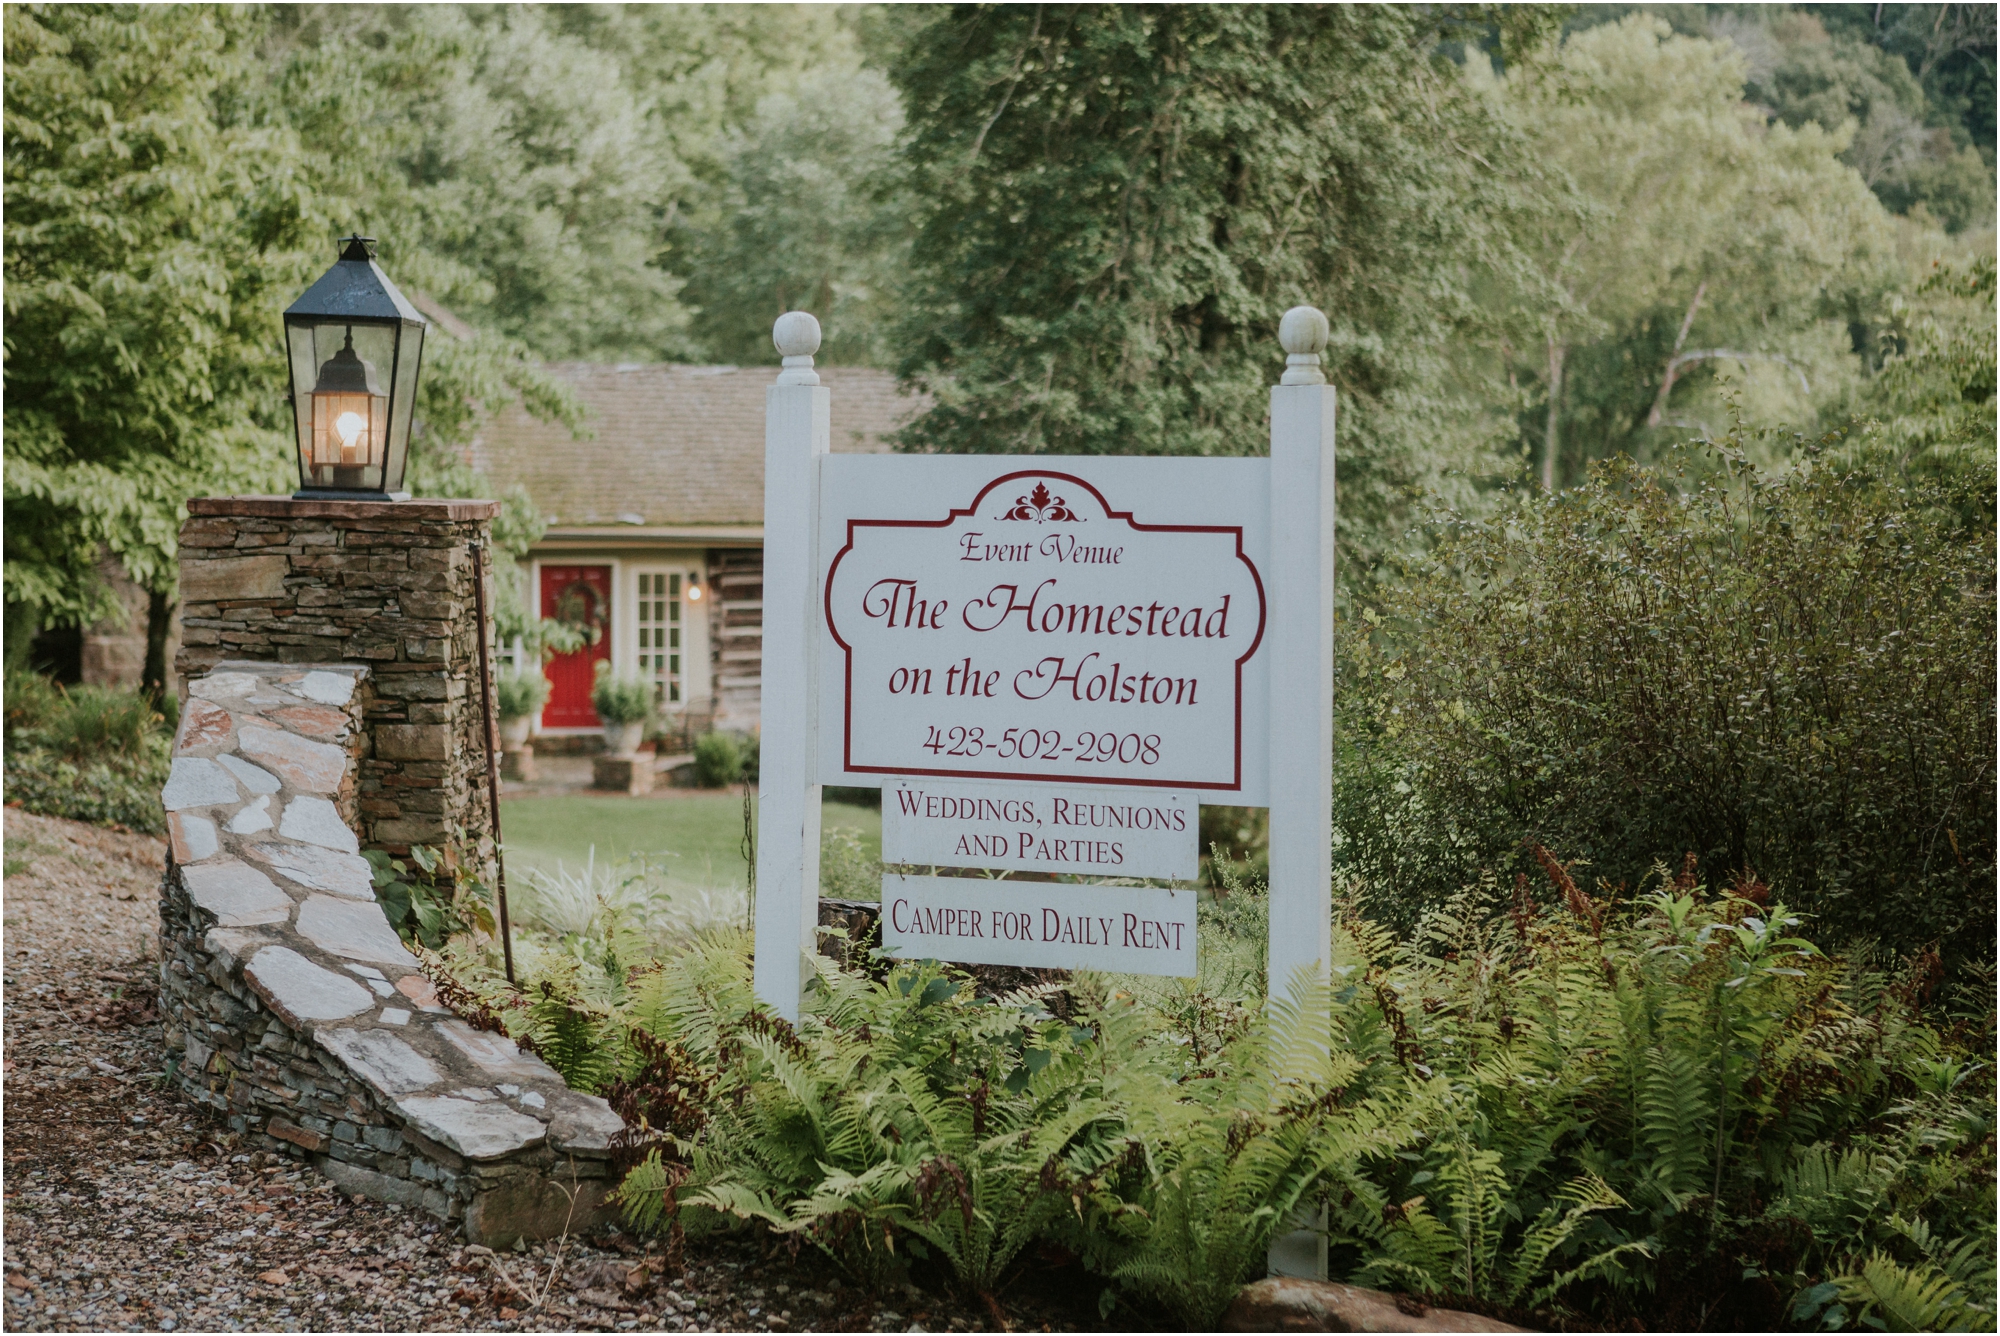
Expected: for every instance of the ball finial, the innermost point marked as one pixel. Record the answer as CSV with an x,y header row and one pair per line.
x,y
1303,330
796,335
1303,333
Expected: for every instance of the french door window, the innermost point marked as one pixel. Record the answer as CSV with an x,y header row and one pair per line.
x,y
659,623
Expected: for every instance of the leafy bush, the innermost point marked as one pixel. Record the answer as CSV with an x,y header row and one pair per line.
x,y
1791,677
718,760
620,700
846,872
1560,1113
521,695
430,898
123,792
89,753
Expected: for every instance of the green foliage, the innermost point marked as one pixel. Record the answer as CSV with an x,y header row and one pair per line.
x,y
150,243
1932,404
1787,678
1900,145
429,898
521,694
89,753
846,872
81,722
810,219
102,791
1701,242
1561,1115
1117,204
1924,1296
618,699
718,760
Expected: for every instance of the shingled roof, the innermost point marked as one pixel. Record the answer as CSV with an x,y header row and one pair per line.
x,y
674,447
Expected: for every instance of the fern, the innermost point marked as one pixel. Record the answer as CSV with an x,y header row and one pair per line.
x,y
1892,1297
1511,1106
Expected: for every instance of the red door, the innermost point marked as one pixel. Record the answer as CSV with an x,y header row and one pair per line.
x,y
578,596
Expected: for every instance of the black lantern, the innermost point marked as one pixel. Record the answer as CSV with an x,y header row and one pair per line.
x,y
355,344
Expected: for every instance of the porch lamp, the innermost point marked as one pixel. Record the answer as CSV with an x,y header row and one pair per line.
x,y
355,344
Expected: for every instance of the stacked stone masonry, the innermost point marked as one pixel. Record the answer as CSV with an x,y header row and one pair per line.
x,y
295,1010
388,585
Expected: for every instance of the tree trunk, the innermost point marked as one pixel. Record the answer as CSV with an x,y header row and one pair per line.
x,y
1558,354
1674,358
159,626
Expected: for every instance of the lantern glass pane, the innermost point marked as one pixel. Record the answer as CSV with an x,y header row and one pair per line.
x,y
345,429
299,347
402,403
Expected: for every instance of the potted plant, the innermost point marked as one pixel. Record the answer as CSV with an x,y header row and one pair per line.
x,y
623,704
521,697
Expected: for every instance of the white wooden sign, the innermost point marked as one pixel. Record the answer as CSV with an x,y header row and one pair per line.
x,y
1042,925
1047,624
1026,827
956,624
1067,621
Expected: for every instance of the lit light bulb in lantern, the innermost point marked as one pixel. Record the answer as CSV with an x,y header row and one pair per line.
x,y
348,427
694,593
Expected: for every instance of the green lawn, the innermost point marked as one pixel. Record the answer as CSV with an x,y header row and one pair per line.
x,y
699,836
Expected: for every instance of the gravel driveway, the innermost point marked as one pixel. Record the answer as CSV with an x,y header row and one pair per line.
x,y
129,1207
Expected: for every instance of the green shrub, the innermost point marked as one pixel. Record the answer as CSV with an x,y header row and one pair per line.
x,y
105,792
718,760
88,753
620,700
846,872
428,899
520,695
1564,1113
1792,678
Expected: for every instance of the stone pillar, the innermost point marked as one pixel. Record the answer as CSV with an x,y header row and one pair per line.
x,y
386,584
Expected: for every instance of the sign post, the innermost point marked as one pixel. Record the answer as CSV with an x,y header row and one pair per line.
x,y
1047,664
1301,718
797,434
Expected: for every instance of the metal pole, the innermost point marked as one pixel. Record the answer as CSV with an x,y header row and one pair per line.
x,y
492,755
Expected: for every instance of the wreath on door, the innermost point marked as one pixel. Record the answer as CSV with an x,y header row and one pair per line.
x,y
581,608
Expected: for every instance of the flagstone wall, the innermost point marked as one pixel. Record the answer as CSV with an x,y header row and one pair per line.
x,y
293,1008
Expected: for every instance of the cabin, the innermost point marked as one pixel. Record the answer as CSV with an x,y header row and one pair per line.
x,y
655,513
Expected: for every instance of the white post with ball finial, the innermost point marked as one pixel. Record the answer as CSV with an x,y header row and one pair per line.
x,y
797,435
1301,719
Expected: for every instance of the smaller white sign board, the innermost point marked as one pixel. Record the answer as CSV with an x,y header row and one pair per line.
x,y
1041,828
1039,925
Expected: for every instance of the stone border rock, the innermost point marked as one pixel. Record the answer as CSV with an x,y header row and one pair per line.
x,y
296,1011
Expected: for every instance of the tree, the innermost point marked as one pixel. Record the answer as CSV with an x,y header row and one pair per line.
x,y
508,168
1120,202
1709,240
808,217
1902,144
149,243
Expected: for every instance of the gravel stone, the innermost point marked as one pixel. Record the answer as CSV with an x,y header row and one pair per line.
x,y
476,1131
321,869
327,688
131,1207
383,1060
310,767
254,817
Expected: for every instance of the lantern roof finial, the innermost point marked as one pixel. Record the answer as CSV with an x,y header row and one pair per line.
x,y
354,246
